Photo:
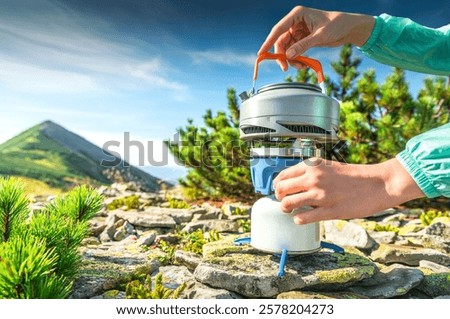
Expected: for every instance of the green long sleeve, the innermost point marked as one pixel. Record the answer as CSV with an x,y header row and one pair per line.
x,y
427,159
406,44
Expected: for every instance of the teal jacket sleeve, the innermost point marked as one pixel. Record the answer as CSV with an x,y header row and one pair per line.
x,y
427,159
403,43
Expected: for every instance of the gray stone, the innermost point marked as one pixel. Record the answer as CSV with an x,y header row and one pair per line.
x,y
174,276
435,284
384,237
97,226
209,207
208,212
147,238
395,220
254,274
147,219
90,241
438,229
395,280
231,209
435,242
433,266
168,238
417,222
119,223
129,229
388,254
120,234
179,215
187,259
198,290
106,266
110,228
104,237
239,217
410,230
344,233
207,225
107,191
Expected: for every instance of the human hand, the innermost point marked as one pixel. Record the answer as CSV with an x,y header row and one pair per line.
x,y
343,191
303,28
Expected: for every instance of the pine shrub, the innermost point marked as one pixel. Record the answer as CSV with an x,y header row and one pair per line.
x,y
39,255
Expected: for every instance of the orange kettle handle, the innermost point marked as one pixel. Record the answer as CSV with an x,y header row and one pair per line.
x,y
312,63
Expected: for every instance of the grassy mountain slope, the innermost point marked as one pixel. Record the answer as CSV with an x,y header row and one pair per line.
x,y
58,157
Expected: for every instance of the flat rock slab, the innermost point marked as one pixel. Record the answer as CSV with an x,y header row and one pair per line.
x,y
105,267
389,254
221,225
180,215
395,280
147,219
174,276
254,274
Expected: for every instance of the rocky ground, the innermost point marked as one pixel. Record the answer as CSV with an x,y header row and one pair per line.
x,y
392,255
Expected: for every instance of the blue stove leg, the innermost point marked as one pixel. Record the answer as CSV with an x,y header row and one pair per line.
x,y
242,241
283,260
333,247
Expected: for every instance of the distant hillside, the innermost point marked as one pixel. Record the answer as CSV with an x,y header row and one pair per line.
x,y
50,153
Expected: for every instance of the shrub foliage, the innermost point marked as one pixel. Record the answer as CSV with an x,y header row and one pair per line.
x,y
39,255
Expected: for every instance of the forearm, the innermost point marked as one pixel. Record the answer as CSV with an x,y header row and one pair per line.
x,y
427,160
399,186
361,27
402,43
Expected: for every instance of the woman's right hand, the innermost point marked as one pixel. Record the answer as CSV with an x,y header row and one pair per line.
x,y
304,28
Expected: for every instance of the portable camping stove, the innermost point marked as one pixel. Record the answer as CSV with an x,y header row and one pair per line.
x,y
286,123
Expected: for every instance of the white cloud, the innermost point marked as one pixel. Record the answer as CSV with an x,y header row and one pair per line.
x,y
148,71
56,49
226,57
30,78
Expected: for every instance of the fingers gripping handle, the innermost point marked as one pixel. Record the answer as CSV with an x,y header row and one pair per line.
x,y
312,63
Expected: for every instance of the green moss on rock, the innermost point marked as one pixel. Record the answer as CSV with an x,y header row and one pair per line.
x,y
225,246
435,284
111,294
344,275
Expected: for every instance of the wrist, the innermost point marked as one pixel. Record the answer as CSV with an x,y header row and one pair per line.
x,y
399,185
362,28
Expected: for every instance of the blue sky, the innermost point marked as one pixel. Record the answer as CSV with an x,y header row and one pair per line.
x,y
102,68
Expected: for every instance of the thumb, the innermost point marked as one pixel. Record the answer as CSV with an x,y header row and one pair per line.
x,y
301,46
314,215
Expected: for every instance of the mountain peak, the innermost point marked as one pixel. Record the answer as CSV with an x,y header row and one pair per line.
x,y
48,123
51,153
